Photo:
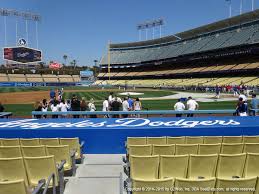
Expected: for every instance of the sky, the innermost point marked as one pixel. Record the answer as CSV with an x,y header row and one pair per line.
x,y
81,29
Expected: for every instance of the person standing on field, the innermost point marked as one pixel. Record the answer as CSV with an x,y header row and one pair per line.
x,y
191,106
179,106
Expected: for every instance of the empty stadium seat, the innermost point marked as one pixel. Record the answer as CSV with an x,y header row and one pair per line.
x,y
74,145
140,150
13,187
176,140
163,149
212,139
10,152
136,141
156,140
173,166
251,148
145,185
49,141
202,166
182,149
232,185
30,142
194,140
232,148
10,142
144,167
33,151
251,139
209,148
12,169
232,139
251,166
194,185
230,165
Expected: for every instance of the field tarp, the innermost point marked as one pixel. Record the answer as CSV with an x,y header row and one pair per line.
x,y
107,136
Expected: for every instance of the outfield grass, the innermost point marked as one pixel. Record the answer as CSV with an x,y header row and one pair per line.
x,y
25,109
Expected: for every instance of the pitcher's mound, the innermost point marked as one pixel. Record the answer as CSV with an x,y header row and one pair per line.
x,y
131,94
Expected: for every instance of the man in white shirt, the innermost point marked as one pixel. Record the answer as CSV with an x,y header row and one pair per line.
x,y
125,106
179,106
106,107
191,105
243,97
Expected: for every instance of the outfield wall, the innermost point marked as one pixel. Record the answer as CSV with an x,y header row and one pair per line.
x,y
107,136
36,84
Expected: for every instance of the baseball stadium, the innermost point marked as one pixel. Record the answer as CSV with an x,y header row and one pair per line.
x,y
171,114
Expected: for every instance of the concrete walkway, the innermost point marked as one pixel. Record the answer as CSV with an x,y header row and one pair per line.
x,y
99,174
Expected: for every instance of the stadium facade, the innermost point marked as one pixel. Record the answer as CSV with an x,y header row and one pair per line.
x,y
224,52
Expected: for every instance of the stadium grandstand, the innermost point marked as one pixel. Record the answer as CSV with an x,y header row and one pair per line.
x,y
224,52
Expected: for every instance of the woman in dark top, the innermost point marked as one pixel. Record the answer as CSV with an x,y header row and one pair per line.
x,y
38,107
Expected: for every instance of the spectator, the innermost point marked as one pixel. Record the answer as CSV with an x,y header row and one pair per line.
x,y
68,105
110,98
179,106
75,105
106,107
44,107
137,106
83,105
116,105
253,105
241,108
52,94
37,107
243,97
1,107
54,108
125,107
131,103
217,90
191,106
92,108
63,107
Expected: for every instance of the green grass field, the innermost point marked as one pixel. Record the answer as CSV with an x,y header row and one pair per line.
x,y
99,95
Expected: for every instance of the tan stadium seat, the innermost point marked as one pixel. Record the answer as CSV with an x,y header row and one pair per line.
x,y
241,183
232,148
140,150
156,140
205,149
74,145
232,139
202,166
212,139
176,140
34,151
251,148
12,169
189,185
251,139
230,165
13,187
49,141
144,167
182,149
194,140
61,153
40,168
30,142
10,152
163,149
136,141
251,166
145,185
173,166
11,142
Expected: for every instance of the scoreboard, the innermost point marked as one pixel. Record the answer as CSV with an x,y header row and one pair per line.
x,y
22,54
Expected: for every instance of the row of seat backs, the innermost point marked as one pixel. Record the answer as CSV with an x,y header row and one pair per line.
x,y
61,152
195,166
13,187
181,149
191,140
72,142
188,186
29,169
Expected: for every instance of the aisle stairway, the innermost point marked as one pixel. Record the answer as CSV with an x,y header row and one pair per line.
x,y
99,174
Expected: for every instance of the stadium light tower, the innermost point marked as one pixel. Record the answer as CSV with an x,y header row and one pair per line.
x,y
230,7
241,7
150,25
253,4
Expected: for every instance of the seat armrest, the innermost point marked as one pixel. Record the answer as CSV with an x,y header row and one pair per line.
x,y
61,165
51,177
73,159
61,176
40,185
82,144
127,170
